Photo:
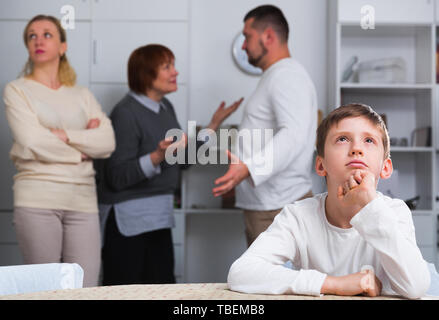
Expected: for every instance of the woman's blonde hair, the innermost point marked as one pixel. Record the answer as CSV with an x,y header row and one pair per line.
x,y
66,73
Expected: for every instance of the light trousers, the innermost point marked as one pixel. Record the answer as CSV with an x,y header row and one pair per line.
x,y
54,236
257,222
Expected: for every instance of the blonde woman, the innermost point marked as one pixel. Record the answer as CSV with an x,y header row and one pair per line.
x,y
58,128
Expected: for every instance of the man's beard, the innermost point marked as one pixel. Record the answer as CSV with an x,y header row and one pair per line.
x,y
254,61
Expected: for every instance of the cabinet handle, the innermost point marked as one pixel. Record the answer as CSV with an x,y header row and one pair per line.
x,y
95,44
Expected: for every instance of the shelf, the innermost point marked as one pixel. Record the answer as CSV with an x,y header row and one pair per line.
x,y
178,211
386,86
411,149
423,212
212,211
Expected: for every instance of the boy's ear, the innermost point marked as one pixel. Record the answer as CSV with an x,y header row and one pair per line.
x,y
387,169
320,169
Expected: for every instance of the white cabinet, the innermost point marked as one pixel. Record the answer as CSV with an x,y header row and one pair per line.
x,y
24,9
12,46
113,43
79,51
422,224
140,10
7,233
412,44
9,250
401,11
425,239
409,104
108,94
437,12
10,254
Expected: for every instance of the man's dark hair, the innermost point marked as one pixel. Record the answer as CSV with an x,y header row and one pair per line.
x,y
269,16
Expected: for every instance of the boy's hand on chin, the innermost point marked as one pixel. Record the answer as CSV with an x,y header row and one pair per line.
x,y
358,190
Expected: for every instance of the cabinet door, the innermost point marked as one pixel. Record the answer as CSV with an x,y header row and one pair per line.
x,y
407,11
7,232
10,254
109,94
13,55
113,43
437,12
140,10
22,9
79,51
425,228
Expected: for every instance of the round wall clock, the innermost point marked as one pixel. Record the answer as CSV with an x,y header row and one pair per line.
x,y
241,58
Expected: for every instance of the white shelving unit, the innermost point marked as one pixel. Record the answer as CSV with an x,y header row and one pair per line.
x,y
409,33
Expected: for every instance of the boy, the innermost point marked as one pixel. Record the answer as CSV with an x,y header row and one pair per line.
x,y
351,240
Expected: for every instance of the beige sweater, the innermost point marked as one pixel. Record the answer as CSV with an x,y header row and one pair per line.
x,y
51,174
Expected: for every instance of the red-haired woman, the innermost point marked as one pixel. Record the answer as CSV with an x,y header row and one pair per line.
x,y
137,185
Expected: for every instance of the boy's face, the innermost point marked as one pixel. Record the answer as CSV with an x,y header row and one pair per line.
x,y
353,144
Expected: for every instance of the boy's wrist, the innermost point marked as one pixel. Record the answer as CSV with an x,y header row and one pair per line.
x,y
329,285
368,198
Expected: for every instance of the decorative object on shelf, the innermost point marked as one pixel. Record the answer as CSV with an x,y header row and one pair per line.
x,y
387,70
350,69
421,137
240,56
413,202
393,141
403,142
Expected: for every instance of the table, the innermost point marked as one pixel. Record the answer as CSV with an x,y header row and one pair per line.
x,y
186,291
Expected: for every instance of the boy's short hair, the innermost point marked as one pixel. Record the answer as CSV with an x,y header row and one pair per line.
x,y
351,111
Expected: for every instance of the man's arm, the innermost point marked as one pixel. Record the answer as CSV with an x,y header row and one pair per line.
x,y
293,106
295,115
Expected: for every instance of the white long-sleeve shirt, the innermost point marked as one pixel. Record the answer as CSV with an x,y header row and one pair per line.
x,y
285,102
51,174
382,236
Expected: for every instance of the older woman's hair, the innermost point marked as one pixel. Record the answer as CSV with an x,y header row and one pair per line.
x,y
143,66
66,73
